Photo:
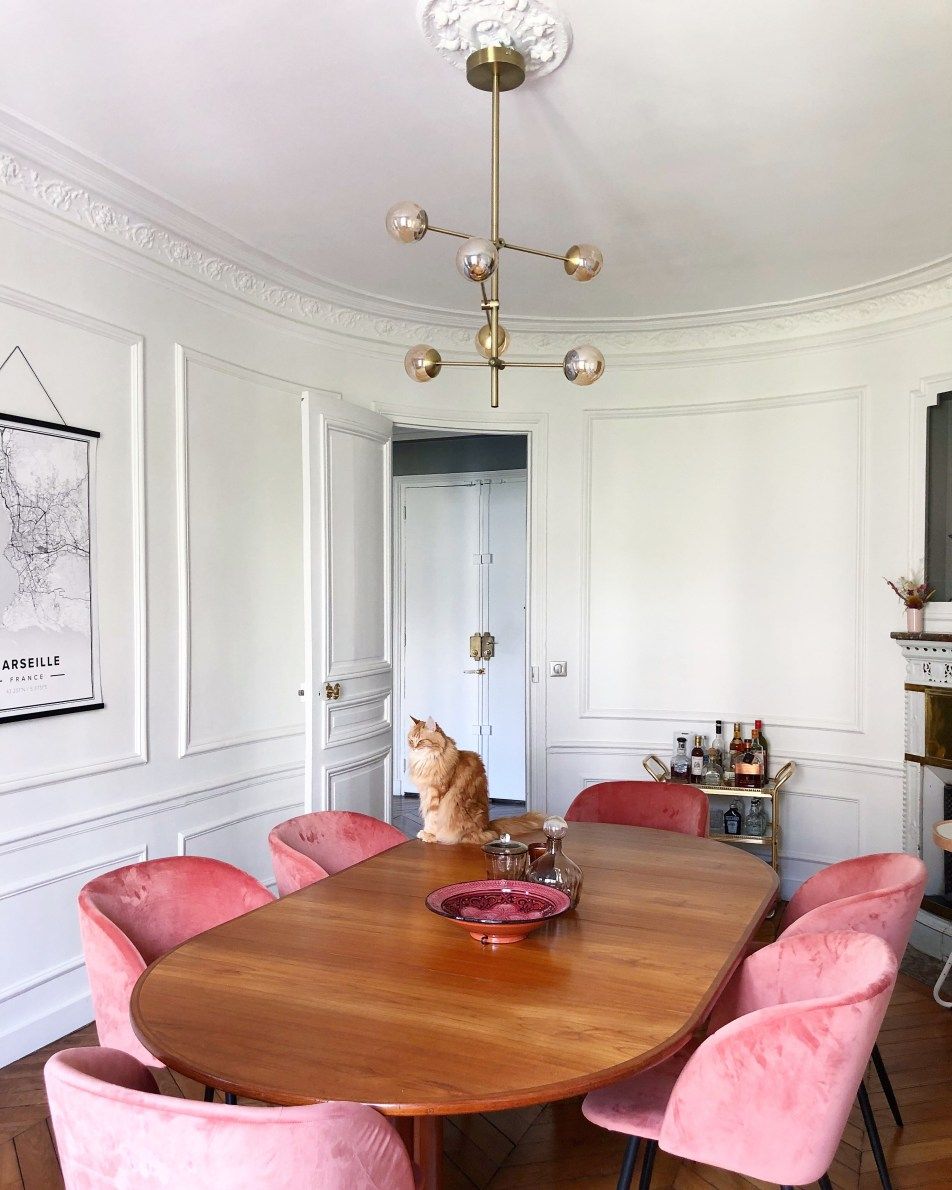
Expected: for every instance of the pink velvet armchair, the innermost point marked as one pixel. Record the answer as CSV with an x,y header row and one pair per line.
x,y
113,1129
129,917
874,894
666,807
308,848
768,1093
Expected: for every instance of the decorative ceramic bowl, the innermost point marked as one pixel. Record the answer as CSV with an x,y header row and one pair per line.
x,y
498,910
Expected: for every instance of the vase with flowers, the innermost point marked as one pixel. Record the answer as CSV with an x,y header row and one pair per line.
x,y
915,594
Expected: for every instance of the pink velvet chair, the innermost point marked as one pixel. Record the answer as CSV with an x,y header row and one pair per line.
x,y
129,917
312,846
113,1129
667,807
873,894
767,1094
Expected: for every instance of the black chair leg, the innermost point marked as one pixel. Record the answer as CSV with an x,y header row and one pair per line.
x,y
209,1094
886,1085
824,1183
873,1133
628,1163
647,1165
231,1098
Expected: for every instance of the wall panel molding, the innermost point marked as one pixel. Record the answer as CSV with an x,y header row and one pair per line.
x,y
51,832
334,771
219,824
340,726
185,358
592,418
136,751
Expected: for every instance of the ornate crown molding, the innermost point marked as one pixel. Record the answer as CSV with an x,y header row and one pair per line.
x,y
25,178
536,28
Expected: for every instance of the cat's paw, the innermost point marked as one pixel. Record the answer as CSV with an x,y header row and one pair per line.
x,y
426,836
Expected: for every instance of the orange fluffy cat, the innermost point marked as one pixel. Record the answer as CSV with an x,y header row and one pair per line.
x,y
454,792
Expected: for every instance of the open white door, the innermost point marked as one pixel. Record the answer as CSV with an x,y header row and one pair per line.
x,y
348,667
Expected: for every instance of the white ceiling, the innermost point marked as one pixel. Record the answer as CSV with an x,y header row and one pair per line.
x,y
722,154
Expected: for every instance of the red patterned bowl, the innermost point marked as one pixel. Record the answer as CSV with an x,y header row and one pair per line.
x,y
498,910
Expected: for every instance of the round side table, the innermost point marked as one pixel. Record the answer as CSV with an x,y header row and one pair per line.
x,y
942,837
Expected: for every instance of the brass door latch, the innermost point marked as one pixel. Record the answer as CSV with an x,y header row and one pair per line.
x,y
482,646
332,692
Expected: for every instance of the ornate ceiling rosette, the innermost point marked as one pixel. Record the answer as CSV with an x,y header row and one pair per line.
x,y
536,28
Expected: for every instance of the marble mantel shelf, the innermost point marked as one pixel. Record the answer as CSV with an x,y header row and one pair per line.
x,y
944,638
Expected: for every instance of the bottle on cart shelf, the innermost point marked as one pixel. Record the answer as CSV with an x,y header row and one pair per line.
x,y
736,746
717,744
712,773
757,746
749,767
697,760
756,821
732,820
759,734
681,763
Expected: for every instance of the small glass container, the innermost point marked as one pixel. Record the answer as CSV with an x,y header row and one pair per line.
x,y
717,821
733,819
506,859
712,773
554,867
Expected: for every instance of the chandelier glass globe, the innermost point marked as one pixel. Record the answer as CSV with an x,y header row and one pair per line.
x,y
422,363
406,222
583,365
476,259
583,262
484,341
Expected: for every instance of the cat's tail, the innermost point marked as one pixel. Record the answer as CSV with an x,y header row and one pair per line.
x,y
523,825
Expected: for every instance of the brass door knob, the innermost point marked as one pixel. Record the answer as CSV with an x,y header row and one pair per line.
x,y
332,692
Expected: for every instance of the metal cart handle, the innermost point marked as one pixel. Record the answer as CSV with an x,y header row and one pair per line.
x,y
784,775
655,767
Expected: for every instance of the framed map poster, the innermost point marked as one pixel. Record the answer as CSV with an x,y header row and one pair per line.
x,y
49,632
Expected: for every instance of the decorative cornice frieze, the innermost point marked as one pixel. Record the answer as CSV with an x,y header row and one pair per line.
x,y
27,179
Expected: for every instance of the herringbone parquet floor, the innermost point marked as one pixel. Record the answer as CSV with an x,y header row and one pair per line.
x,y
554,1147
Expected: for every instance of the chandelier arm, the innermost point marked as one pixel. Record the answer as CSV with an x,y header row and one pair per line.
x,y
464,363
446,231
532,251
515,363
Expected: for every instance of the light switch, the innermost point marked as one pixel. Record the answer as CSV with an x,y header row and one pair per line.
x,y
558,669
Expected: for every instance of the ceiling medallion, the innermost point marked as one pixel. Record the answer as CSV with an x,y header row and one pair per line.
x,y
494,68
535,28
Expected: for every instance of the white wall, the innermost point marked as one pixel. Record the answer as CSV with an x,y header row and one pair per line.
x,y
717,523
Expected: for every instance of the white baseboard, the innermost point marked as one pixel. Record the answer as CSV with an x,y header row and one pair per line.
x,y
932,935
24,1039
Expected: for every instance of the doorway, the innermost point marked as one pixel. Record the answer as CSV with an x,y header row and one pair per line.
x,y
460,585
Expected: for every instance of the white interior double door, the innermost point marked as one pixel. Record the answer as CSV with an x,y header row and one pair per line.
x,y
461,572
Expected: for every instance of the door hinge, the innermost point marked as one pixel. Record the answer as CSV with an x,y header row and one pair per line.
x,y
482,559
483,728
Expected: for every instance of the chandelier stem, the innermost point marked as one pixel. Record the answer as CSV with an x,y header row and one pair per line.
x,y
494,221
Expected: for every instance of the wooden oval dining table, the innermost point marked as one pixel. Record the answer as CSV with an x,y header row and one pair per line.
x,y
353,990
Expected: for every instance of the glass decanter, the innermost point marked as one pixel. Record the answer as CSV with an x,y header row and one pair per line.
x,y
756,821
554,867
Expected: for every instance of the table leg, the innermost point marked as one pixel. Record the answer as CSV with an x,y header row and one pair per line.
x,y
428,1149
404,1127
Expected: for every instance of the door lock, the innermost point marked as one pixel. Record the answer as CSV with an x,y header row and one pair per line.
x,y
474,671
482,646
332,692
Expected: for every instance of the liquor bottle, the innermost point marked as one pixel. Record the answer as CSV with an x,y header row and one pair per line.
x,y
681,763
757,746
748,767
697,760
732,820
736,746
717,744
712,773
759,731
755,824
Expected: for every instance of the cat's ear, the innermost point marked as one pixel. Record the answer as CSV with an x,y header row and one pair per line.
x,y
431,724
416,720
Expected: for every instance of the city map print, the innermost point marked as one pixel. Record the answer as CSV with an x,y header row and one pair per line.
x,y
49,657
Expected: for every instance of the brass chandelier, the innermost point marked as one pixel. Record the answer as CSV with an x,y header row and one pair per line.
x,y
495,68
